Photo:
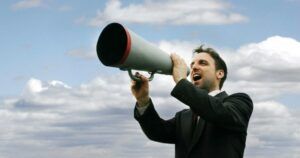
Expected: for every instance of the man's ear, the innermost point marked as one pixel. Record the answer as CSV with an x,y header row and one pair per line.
x,y
220,74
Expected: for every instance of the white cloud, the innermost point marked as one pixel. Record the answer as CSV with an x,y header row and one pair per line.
x,y
266,69
178,12
96,119
273,129
34,86
276,58
25,4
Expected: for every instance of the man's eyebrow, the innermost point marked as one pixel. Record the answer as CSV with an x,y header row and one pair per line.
x,y
201,60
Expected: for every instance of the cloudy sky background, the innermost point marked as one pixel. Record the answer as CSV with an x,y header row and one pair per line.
x,y
58,100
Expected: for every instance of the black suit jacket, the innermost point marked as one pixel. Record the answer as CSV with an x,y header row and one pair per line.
x,y
220,133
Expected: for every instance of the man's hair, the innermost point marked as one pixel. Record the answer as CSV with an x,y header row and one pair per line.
x,y
219,62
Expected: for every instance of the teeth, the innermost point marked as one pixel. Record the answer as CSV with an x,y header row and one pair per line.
x,y
196,75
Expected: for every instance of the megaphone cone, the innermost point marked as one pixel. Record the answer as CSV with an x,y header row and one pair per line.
x,y
120,47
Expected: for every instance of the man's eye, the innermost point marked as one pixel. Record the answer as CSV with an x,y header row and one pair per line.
x,y
202,63
192,64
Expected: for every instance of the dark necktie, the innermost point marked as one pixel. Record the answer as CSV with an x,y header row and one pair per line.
x,y
194,123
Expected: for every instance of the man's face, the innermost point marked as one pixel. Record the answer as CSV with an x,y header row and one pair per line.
x,y
203,72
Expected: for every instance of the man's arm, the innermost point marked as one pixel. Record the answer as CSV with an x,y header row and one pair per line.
x,y
234,112
154,127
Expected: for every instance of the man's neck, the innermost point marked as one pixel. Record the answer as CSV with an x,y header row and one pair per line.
x,y
214,92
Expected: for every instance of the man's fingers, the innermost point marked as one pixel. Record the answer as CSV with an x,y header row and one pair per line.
x,y
142,77
137,84
176,59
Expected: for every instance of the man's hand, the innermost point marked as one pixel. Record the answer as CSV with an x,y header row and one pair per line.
x,y
179,68
140,90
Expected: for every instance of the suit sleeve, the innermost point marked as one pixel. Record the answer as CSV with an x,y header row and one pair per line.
x,y
154,127
233,112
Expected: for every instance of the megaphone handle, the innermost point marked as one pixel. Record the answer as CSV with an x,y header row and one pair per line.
x,y
138,79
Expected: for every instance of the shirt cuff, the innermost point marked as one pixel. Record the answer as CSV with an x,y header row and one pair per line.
x,y
142,109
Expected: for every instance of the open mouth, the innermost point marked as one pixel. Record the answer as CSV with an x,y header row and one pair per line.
x,y
197,77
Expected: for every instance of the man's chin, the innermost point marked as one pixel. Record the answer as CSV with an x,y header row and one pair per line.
x,y
197,84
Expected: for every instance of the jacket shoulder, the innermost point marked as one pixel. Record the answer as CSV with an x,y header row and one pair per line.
x,y
241,97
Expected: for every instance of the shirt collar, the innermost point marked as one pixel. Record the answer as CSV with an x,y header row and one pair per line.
x,y
215,92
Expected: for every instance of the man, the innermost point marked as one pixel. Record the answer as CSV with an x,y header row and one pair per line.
x,y
214,126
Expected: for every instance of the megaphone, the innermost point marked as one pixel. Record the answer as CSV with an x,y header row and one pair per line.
x,y
120,47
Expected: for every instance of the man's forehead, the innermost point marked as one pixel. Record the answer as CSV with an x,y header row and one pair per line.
x,y
202,56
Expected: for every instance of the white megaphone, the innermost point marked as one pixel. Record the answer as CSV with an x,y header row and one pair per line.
x,y
120,47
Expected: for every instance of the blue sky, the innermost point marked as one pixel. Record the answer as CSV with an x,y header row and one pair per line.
x,y
51,78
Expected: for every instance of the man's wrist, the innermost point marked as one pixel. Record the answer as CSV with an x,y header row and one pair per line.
x,y
143,102
179,79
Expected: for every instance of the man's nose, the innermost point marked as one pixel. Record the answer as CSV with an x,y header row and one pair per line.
x,y
195,67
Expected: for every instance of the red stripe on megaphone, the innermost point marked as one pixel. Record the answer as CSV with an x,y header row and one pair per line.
x,y
128,48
